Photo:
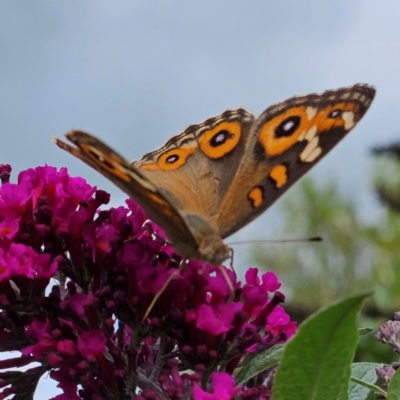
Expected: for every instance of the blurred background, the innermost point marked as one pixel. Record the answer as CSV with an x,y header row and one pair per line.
x,y
136,72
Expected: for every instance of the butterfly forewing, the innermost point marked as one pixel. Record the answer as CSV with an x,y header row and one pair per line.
x,y
115,168
286,141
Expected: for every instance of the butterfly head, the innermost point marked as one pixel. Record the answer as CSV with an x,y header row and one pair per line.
x,y
207,245
213,250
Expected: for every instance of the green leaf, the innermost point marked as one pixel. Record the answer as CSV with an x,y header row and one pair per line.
x,y
260,363
370,387
365,373
316,362
393,392
364,331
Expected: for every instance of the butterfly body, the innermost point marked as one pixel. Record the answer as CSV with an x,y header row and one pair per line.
x,y
207,182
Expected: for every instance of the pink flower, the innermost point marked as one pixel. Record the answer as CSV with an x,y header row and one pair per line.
x,y
218,286
42,265
10,219
92,344
78,189
16,196
5,268
100,236
54,360
279,321
223,388
88,328
66,347
44,342
219,320
137,215
21,260
78,302
255,293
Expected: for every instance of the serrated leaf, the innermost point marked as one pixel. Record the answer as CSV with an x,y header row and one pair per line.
x,y
393,392
316,362
366,373
260,363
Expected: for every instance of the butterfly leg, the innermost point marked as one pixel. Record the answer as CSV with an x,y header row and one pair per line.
x,y
232,253
228,281
161,291
147,227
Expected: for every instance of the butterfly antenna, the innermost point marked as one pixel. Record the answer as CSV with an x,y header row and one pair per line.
x,y
311,239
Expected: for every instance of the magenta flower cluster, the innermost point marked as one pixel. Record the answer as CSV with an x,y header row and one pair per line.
x,y
77,295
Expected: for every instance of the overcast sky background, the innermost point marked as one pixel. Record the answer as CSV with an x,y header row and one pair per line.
x,y
136,72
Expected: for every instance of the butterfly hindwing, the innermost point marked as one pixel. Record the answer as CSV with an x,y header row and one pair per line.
x,y
195,169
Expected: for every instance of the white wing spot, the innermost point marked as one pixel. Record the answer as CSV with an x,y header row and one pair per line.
x,y
311,112
316,152
348,118
311,146
311,133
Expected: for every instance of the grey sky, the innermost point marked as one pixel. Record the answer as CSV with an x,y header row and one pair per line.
x,y
136,72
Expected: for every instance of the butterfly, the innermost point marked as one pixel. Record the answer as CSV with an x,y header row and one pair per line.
x,y
215,177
